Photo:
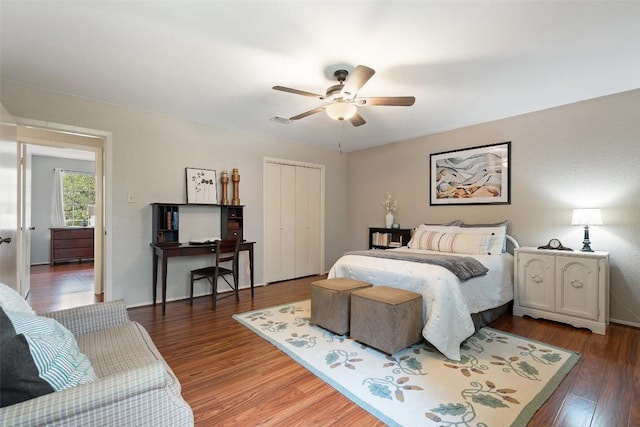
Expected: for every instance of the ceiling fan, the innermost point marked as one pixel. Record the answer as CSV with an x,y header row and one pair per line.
x,y
343,100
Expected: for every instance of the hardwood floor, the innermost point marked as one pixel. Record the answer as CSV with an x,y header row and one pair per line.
x,y
61,286
232,377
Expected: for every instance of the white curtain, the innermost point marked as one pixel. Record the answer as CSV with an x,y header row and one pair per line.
x,y
57,212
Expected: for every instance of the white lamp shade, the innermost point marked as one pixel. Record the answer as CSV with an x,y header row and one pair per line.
x,y
341,110
586,217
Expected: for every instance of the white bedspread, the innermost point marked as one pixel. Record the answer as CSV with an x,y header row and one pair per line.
x,y
447,302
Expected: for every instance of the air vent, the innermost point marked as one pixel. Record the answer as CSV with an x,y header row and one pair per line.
x,y
281,120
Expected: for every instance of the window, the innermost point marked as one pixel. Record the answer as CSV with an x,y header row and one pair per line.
x,y
79,195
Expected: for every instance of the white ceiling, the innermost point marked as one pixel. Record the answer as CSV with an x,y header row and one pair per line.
x,y
215,62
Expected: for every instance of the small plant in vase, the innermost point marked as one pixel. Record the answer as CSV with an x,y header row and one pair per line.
x,y
390,206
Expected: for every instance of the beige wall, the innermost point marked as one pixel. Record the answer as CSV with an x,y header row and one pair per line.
x,y
147,158
580,155
585,154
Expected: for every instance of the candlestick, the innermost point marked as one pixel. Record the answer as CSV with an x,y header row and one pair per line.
x,y
235,179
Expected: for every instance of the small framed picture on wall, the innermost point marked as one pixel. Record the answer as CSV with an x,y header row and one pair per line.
x,y
202,187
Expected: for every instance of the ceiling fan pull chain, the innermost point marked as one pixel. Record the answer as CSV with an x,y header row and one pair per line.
x,y
340,135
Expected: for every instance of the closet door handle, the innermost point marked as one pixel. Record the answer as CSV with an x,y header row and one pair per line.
x,y
5,240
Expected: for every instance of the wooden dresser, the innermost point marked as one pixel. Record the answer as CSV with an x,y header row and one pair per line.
x,y
71,243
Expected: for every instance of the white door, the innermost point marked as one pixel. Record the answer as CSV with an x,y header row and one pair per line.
x,y
280,250
293,220
280,222
307,221
287,222
9,201
25,219
272,236
315,222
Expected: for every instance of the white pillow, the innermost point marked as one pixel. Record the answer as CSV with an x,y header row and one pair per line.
x,y
498,235
437,227
10,300
459,243
504,224
54,350
434,227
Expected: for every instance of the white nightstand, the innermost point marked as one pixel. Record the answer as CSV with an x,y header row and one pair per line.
x,y
569,287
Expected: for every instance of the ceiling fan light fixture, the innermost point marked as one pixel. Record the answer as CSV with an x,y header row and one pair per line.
x,y
341,110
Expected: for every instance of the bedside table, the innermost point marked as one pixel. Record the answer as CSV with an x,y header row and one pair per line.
x,y
387,238
569,287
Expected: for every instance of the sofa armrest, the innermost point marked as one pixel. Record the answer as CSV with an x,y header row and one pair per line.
x,y
92,318
87,401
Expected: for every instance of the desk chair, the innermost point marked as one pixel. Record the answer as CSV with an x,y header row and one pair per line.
x,y
225,252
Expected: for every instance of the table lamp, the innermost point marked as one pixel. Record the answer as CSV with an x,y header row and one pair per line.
x,y
586,217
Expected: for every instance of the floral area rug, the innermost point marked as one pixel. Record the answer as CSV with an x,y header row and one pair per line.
x,y
501,379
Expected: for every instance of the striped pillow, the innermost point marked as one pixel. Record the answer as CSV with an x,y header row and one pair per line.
x,y
11,300
458,243
54,350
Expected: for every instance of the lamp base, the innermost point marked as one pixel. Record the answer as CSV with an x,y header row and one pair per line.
x,y
586,243
586,247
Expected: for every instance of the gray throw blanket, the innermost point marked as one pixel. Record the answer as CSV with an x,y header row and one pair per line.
x,y
464,268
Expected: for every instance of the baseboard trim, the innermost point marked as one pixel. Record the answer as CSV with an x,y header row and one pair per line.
x,y
625,322
186,298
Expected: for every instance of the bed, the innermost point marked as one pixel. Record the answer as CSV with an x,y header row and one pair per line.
x,y
453,308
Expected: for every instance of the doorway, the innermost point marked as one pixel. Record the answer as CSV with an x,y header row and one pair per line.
x,y
73,283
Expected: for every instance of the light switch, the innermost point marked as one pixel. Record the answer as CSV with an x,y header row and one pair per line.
x,y
131,198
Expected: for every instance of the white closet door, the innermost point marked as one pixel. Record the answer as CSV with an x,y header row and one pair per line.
x,y
302,222
272,222
307,221
287,222
293,221
315,221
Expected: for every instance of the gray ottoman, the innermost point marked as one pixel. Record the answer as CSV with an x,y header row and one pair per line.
x,y
331,303
388,319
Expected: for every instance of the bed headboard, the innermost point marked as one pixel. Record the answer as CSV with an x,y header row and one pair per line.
x,y
512,244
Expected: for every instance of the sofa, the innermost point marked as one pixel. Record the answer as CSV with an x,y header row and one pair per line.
x,y
132,385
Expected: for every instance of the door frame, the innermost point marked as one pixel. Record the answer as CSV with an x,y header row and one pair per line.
x,y
35,132
265,193
9,155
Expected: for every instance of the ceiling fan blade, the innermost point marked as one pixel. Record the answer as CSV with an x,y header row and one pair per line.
x,y
403,101
307,113
356,80
297,92
357,119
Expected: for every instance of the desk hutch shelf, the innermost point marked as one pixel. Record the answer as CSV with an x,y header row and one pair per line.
x,y
166,222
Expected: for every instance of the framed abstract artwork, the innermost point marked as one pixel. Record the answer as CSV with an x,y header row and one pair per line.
x,y
202,187
471,176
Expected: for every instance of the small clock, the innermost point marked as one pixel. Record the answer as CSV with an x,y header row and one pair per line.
x,y
555,244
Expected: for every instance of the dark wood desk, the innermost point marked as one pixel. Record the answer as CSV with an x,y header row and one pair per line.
x,y
164,252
